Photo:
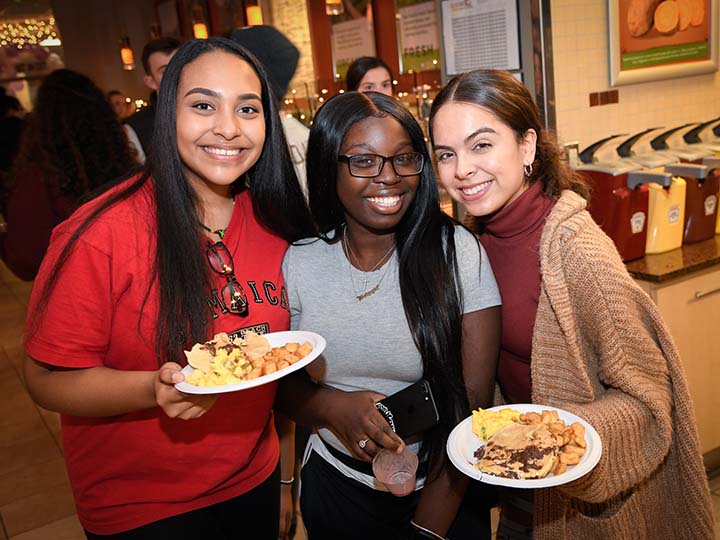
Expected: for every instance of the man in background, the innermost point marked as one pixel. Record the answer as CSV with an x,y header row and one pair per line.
x,y
280,58
156,56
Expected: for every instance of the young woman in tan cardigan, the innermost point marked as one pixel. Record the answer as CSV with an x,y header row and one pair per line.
x,y
578,333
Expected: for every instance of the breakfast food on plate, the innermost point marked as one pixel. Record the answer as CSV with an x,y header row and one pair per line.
x,y
486,423
222,361
532,446
519,451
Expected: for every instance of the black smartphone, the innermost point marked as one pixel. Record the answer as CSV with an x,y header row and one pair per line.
x,y
410,411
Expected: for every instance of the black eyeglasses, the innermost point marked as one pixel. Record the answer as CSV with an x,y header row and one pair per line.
x,y
371,165
232,293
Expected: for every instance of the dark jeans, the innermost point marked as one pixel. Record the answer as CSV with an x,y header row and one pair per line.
x,y
335,507
254,515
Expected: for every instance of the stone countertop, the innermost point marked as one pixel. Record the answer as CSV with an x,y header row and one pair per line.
x,y
678,262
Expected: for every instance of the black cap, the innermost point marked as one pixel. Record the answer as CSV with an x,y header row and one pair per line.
x,y
275,52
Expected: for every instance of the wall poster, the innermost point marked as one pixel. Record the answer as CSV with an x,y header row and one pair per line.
x,y
352,35
418,35
653,39
480,34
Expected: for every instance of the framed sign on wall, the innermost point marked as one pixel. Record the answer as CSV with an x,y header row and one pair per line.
x,y
662,39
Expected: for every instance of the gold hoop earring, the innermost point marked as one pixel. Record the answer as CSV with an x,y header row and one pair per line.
x,y
528,170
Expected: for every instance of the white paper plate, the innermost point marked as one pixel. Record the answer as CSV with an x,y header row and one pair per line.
x,y
463,443
276,339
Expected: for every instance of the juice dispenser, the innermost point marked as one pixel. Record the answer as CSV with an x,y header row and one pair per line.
x,y
666,214
653,160
686,154
700,201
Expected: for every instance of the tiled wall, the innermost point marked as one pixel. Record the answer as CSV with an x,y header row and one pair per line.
x,y
581,61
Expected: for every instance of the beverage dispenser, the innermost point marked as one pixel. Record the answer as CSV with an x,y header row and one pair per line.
x,y
700,201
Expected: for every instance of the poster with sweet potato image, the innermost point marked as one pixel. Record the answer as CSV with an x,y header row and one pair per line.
x,y
657,39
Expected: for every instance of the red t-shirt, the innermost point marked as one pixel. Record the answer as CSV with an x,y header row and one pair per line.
x,y
133,469
511,238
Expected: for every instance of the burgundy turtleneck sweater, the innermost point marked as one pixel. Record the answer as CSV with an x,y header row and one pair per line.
x,y
511,238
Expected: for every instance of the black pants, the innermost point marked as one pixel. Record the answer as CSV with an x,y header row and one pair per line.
x,y
255,515
335,507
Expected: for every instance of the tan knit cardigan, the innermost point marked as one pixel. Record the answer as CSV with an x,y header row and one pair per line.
x,y
601,351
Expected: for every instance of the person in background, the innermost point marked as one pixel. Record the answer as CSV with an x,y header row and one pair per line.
x,y
400,292
122,108
156,55
12,122
370,74
578,333
280,58
120,104
72,145
166,259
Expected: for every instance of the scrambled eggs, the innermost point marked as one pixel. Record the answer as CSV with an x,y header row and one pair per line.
x,y
486,423
225,368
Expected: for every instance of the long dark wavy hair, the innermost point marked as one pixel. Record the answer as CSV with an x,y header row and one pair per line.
x,y
180,266
73,137
504,96
425,244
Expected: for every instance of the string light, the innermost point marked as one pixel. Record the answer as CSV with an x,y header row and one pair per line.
x,y
22,32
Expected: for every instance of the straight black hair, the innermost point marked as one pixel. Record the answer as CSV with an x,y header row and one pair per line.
x,y
180,266
425,244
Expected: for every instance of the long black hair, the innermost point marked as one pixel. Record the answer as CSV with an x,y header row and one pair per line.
x,y
180,266
425,244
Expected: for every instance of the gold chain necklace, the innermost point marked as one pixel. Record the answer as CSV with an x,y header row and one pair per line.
x,y
349,254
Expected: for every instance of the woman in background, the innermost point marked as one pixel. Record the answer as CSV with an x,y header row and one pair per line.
x,y
578,333
72,145
370,74
168,258
401,293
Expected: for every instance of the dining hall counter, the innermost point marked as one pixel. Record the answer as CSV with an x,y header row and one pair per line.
x,y
685,285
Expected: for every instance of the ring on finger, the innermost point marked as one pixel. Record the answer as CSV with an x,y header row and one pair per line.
x,y
362,443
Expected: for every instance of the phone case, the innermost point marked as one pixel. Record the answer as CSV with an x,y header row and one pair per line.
x,y
410,411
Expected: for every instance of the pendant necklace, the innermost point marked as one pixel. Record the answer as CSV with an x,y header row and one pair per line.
x,y
350,255
219,232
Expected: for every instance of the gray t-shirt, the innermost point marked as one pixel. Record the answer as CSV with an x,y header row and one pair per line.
x,y
369,345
